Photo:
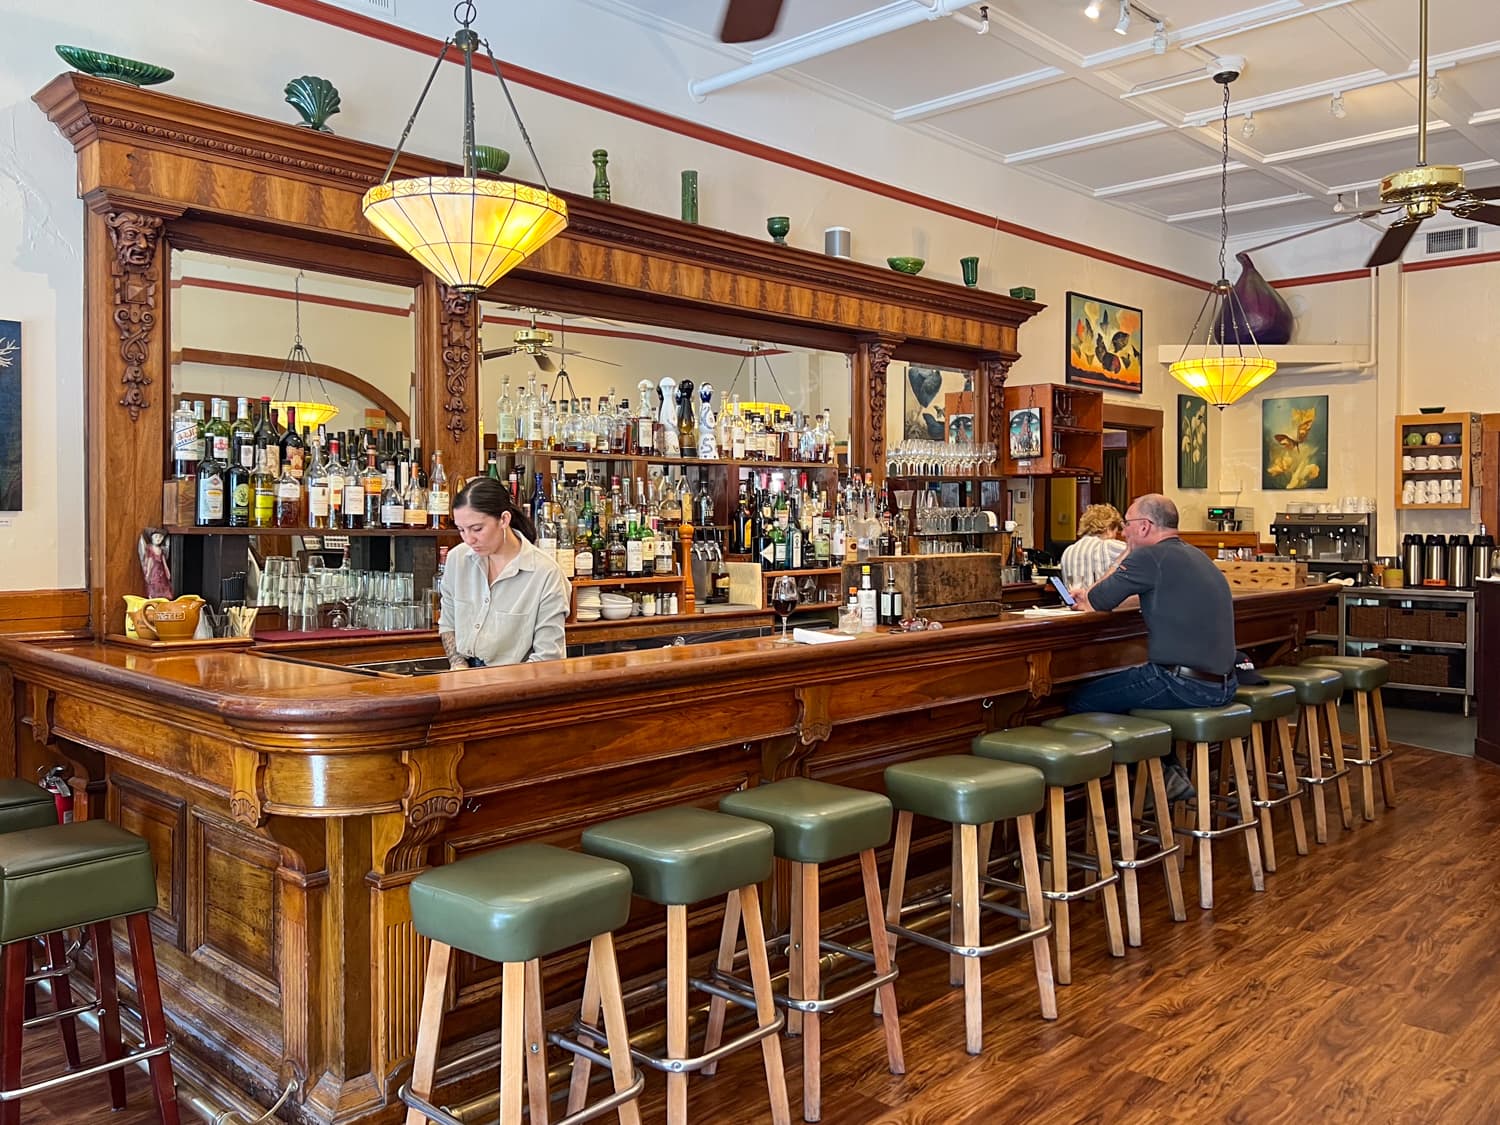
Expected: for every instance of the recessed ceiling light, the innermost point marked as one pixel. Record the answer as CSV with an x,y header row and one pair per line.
x,y
1336,106
1123,27
1159,39
1247,127
1092,11
1339,207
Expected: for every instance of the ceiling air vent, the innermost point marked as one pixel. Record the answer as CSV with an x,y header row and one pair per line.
x,y
1452,240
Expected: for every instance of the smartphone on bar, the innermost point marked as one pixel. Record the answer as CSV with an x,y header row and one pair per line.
x,y
1063,592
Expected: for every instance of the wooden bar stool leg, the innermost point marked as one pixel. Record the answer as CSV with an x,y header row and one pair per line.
x,y
1367,773
1201,782
1307,736
896,891
881,950
512,1040
968,874
1293,783
29,1009
1031,878
153,1019
588,1012
1127,852
1247,812
794,951
62,997
812,988
1336,746
717,1005
1387,775
1057,833
429,1028
1170,871
955,910
13,962
108,991
677,1015
536,1045
1263,793
602,965
1106,868
765,1004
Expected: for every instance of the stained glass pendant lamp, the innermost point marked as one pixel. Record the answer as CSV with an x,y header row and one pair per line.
x,y
299,376
1224,370
468,231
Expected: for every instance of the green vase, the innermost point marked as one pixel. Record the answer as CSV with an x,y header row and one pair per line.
x,y
601,175
689,196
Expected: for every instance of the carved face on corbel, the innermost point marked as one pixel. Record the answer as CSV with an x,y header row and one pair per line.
x,y
134,237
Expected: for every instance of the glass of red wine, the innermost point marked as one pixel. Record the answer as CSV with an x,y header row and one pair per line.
x,y
783,601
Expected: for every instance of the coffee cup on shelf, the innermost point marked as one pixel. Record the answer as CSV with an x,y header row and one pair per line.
x,y
1419,464
1408,462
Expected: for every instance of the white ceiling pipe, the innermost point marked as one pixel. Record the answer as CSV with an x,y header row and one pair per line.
x,y
814,43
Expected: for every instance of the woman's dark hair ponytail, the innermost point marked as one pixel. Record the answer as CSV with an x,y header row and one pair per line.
x,y
489,496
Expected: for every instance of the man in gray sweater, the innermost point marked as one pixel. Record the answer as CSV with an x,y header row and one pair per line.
x,y
1189,615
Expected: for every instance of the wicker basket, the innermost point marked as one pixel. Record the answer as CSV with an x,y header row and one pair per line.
x,y
1448,625
1425,669
1326,620
1408,625
1367,621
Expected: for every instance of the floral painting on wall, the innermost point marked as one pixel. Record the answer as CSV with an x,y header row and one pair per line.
x,y
1192,442
1294,443
1104,344
10,415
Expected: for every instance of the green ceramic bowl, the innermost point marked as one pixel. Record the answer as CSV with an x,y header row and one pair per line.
x,y
490,160
912,266
101,65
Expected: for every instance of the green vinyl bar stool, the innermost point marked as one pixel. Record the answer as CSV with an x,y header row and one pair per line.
x,y
1318,691
514,906
24,805
62,877
968,793
678,857
1363,678
1068,759
1201,727
817,823
1271,705
1138,743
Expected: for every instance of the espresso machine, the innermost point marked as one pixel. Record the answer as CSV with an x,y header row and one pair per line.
x,y
1335,544
1238,518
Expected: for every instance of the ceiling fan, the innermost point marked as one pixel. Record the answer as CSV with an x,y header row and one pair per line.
x,y
537,343
1418,193
748,20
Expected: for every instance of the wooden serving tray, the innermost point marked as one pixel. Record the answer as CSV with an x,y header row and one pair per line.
x,y
190,643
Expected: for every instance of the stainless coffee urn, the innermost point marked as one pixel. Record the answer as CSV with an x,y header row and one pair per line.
x,y
1435,561
1460,562
1486,557
1412,558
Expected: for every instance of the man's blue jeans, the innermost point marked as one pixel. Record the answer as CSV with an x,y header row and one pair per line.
x,y
1147,685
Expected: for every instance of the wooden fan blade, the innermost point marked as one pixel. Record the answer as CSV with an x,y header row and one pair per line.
x,y
1389,249
748,20
1484,192
1481,213
496,353
544,362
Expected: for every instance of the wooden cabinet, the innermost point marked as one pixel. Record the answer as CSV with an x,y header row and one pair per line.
x,y
1052,430
1435,456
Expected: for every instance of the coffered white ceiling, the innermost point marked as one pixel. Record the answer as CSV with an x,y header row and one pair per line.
x,y
1066,99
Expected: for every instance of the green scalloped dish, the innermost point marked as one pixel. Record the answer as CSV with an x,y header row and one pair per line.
x,y
909,266
102,65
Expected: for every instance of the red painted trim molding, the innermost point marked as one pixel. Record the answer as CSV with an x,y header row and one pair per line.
x,y
372,28
1406,267
1444,263
287,295
1320,279
644,337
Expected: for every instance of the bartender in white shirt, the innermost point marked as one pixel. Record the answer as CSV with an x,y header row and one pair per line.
x,y
503,601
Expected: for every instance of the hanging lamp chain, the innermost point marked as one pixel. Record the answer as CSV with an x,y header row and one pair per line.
x,y
1224,188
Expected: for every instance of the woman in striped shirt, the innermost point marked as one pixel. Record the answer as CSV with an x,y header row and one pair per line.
x,y
1099,546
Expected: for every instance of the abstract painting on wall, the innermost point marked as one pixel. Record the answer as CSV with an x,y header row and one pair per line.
x,y
924,410
10,415
1192,442
1104,344
1294,443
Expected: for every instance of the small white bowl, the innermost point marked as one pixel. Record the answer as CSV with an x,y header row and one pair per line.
x,y
616,612
614,599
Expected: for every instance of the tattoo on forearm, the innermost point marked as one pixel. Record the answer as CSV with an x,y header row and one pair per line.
x,y
450,646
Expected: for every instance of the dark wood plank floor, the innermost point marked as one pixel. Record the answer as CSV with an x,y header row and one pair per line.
x,y
1363,986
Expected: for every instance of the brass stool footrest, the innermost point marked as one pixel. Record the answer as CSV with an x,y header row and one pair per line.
x,y
1083,862
823,1004
1275,802
130,1058
1374,759
614,1101
969,950
48,1017
1325,779
688,1065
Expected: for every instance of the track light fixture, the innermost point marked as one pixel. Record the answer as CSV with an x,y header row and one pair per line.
x,y
1336,106
1092,11
1247,127
1434,86
984,19
1159,39
1123,26
1339,207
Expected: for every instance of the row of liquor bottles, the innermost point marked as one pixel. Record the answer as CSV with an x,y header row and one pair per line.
x,y
679,423
255,473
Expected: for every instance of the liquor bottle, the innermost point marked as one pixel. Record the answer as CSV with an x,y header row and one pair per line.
x,y
583,554
565,555
288,505
336,474
435,595
538,500
414,499
316,479
619,555
186,445
492,467
887,598
209,508
635,551
601,551
242,437
262,491
392,504
665,552
505,419
239,500
266,437
198,446
374,487
603,423
546,532
293,451
437,492
736,430
529,417
898,608
645,421
352,503
867,603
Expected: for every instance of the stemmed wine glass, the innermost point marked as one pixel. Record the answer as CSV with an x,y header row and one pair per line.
x,y
783,601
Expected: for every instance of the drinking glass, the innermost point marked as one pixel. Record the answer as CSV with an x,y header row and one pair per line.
x,y
783,601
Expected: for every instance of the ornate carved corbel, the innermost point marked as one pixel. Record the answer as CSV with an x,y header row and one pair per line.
x,y
41,715
247,796
458,337
881,350
1039,674
813,722
432,799
992,372
135,236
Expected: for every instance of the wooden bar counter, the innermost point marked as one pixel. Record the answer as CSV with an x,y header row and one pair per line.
x,y
289,805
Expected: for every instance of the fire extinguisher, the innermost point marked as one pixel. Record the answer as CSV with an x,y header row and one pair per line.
x,y
55,781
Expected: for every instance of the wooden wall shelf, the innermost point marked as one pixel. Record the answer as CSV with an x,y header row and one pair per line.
x,y
1414,485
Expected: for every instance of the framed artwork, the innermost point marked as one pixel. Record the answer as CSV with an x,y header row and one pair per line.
x,y
1294,443
1192,442
1026,433
10,415
1104,344
924,410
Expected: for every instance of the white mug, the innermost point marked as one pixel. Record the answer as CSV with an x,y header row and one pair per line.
x,y
1449,461
1408,462
1419,464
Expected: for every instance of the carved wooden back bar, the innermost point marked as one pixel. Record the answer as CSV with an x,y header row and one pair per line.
x,y
159,173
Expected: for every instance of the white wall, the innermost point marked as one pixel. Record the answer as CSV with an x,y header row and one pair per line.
x,y
240,54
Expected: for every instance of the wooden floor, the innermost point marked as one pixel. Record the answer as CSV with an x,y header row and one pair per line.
x,y
1363,986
